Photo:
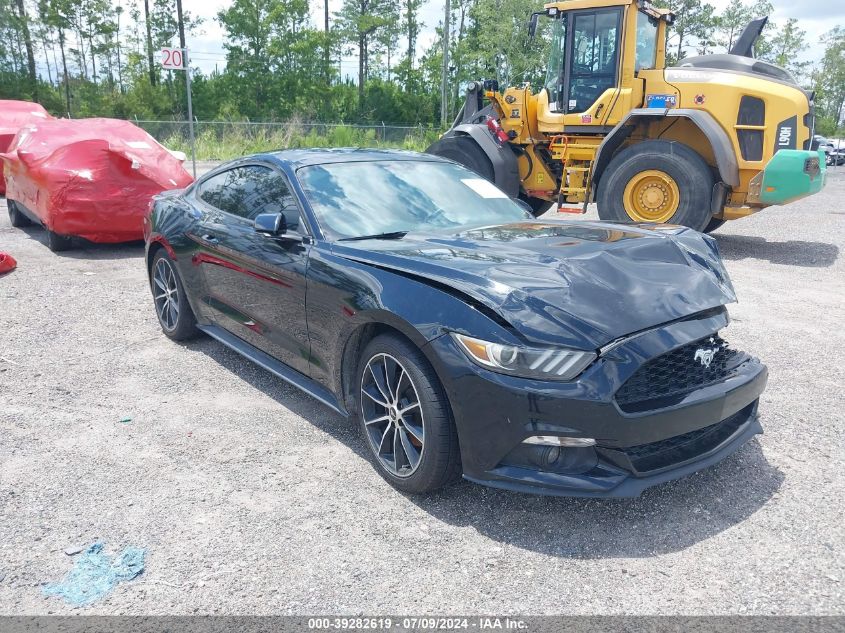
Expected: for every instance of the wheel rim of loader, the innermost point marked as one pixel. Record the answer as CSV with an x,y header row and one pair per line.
x,y
652,196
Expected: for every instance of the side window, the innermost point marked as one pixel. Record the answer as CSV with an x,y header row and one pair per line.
x,y
215,190
594,57
646,42
268,192
556,73
251,190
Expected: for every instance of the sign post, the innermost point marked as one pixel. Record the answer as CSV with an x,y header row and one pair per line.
x,y
177,59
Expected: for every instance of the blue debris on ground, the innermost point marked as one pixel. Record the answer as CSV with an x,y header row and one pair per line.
x,y
95,575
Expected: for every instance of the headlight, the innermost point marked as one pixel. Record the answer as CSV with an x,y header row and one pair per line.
x,y
546,363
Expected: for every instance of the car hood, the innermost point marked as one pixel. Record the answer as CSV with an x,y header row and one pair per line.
x,y
580,284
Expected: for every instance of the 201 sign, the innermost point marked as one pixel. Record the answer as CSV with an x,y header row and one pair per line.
x,y
173,59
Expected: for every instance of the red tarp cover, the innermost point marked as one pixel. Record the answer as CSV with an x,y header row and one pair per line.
x,y
93,178
7,263
13,116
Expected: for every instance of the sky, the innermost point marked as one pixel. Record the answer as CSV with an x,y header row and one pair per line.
x,y
815,17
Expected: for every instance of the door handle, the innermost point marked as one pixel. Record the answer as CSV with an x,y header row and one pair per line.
x,y
210,239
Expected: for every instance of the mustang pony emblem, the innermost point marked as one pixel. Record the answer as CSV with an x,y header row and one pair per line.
x,y
705,356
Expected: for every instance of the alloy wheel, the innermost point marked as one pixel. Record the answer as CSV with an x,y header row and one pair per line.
x,y
166,294
393,417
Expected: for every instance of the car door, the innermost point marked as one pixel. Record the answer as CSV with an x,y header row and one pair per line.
x,y
256,282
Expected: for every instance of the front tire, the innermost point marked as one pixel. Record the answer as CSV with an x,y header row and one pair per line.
x,y
405,417
58,243
17,218
657,181
464,151
714,224
174,313
538,205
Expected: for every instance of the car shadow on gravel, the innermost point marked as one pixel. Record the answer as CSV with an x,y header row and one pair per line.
x,y
664,519
83,249
791,253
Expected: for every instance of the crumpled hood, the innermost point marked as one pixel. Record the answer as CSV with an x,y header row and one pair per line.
x,y
580,284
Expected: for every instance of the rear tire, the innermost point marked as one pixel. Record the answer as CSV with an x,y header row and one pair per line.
x,y
17,218
464,151
657,181
58,243
714,224
538,205
405,417
173,310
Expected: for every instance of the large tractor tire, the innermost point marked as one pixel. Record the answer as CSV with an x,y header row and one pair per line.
x,y
464,151
714,224
657,181
538,205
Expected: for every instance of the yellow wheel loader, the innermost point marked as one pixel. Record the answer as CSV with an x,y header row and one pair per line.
x,y
717,138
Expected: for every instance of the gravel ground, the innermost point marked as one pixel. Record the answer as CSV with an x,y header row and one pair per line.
x,y
252,498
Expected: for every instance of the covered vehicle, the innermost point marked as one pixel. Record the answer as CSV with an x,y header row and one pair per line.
x,y
571,358
91,178
13,116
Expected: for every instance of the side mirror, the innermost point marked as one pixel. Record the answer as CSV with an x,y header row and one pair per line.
x,y
532,25
270,223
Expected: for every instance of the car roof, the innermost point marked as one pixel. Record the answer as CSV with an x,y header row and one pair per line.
x,y
322,156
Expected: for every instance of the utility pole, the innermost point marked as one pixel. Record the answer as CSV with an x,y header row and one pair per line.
x,y
30,56
181,24
327,60
187,64
444,89
153,79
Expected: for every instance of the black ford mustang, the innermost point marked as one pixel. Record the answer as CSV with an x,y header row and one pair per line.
x,y
571,358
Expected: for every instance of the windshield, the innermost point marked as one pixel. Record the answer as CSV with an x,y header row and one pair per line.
x,y
369,198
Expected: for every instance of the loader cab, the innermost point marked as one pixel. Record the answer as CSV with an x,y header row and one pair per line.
x,y
598,47
585,58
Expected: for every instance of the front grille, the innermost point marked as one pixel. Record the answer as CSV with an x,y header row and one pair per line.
x,y
674,450
665,380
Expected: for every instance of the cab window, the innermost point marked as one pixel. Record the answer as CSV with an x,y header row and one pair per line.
x,y
556,72
594,57
646,42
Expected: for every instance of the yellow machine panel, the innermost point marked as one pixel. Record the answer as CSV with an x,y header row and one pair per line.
x,y
718,138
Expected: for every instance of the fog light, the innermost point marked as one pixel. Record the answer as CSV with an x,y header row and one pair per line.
x,y
556,440
550,455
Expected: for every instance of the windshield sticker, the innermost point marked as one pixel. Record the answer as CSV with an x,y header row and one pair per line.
x,y
483,188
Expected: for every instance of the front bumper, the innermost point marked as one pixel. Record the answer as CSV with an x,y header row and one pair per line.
x,y
604,480
494,413
790,175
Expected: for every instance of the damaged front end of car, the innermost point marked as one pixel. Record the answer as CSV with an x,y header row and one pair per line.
x,y
605,370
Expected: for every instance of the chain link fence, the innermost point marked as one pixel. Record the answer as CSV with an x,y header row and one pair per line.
x,y
221,140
